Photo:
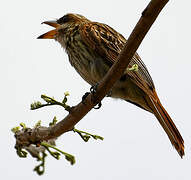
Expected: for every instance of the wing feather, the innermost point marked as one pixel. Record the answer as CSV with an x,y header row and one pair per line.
x,y
108,43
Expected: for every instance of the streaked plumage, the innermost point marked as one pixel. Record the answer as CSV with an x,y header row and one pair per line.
x,y
92,48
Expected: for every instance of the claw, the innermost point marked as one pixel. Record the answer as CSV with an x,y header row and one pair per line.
x,y
94,88
93,91
84,97
99,105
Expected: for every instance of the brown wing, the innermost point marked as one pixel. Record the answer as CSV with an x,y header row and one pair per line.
x,y
108,43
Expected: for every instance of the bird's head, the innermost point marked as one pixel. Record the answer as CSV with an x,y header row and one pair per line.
x,y
62,24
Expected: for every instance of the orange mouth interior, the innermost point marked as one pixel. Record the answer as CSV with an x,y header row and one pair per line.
x,y
50,34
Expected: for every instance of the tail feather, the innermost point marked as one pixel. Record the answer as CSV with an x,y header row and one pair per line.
x,y
167,124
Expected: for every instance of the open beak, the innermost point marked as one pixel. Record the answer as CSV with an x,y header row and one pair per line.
x,y
50,34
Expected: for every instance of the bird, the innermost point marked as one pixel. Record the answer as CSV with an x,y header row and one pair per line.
x,y
92,49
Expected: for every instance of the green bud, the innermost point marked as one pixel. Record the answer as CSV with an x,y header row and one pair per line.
x,y
135,67
38,124
15,129
23,125
66,93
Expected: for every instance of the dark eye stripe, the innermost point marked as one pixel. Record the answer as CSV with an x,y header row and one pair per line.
x,y
63,19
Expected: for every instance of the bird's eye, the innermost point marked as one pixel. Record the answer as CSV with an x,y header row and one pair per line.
x,y
63,19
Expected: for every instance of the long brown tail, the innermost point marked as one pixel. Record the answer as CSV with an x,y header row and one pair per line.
x,y
167,124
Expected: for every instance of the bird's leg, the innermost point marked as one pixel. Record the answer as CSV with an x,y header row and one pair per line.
x,y
84,97
98,105
94,88
93,91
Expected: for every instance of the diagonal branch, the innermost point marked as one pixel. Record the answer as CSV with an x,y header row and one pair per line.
x,y
148,17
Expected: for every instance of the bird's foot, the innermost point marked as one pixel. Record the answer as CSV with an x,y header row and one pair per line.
x,y
92,91
98,105
94,88
84,97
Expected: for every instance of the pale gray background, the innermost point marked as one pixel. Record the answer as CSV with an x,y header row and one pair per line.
x,y
135,146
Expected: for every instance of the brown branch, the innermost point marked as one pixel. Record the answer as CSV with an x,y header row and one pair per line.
x,y
79,111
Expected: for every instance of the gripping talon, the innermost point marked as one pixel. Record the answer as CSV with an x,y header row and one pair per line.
x,y
84,97
99,105
94,88
93,91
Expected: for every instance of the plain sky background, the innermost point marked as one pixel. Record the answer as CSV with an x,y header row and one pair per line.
x,y
135,146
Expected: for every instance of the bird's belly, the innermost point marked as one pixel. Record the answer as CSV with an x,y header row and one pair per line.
x,y
129,91
90,67
93,70
124,90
